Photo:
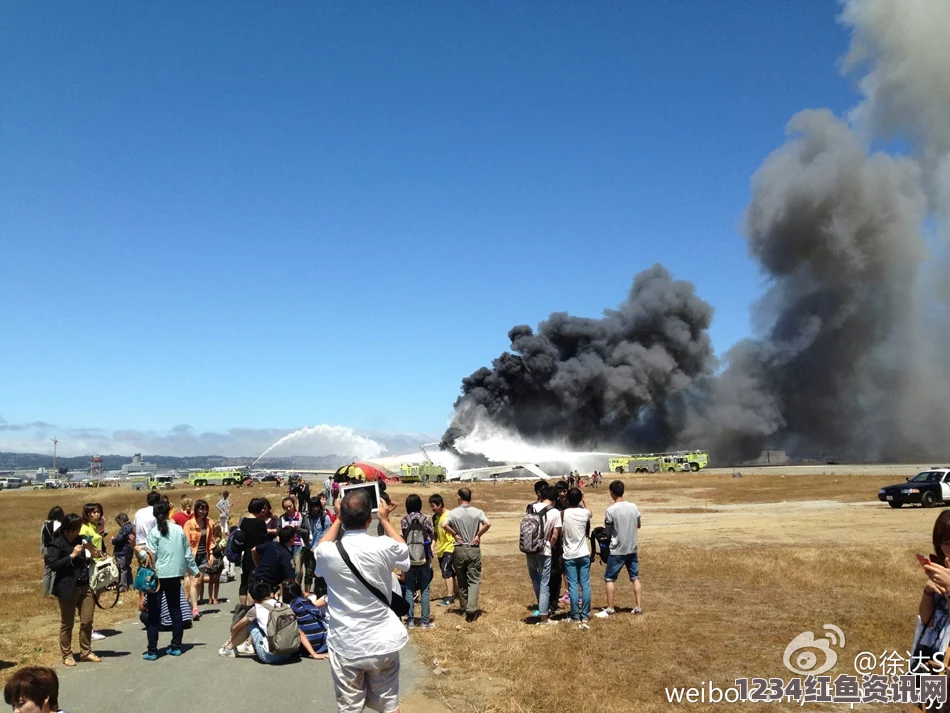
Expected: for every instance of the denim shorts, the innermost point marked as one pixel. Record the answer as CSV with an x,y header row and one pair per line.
x,y
445,565
616,563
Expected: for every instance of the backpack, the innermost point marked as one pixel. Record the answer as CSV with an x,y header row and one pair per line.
x,y
531,539
283,634
600,543
234,549
416,540
311,622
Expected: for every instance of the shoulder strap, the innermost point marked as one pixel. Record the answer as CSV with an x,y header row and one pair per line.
x,y
349,563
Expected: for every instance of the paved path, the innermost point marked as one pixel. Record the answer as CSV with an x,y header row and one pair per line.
x,y
200,679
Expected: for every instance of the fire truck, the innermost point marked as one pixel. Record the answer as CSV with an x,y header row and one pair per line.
x,y
673,462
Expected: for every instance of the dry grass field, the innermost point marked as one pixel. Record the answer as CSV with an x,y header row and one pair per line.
x,y
732,571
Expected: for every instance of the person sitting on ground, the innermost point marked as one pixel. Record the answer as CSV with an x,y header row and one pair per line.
x,y
66,556
53,522
273,561
417,532
33,689
249,634
311,620
122,547
622,522
444,548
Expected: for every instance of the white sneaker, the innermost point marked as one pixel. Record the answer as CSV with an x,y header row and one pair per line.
x,y
637,610
96,636
604,613
227,652
583,625
246,648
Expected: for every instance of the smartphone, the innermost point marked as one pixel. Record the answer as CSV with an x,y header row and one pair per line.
x,y
923,560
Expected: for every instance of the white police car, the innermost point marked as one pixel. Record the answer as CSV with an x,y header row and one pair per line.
x,y
927,488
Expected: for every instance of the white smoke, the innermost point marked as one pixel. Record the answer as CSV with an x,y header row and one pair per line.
x,y
503,445
325,439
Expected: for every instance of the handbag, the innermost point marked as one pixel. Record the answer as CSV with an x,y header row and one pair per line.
x,y
395,602
102,573
146,580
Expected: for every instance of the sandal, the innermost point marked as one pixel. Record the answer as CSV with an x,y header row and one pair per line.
x,y
69,662
90,658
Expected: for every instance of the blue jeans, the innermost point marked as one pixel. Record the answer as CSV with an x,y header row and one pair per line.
x,y
418,578
539,567
578,578
258,638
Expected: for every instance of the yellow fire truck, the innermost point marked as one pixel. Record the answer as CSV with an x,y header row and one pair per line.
x,y
673,462
217,477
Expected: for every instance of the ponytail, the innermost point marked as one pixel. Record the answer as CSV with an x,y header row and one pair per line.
x,y
160,511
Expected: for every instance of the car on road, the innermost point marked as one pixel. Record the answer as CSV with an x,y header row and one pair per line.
x,y
927,488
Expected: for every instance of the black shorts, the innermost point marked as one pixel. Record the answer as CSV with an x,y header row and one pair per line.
x,y
445,565
247,569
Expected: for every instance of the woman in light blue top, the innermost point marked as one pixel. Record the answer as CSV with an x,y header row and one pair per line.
x,y
170,555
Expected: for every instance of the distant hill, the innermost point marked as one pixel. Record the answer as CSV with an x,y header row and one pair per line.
x,y
115,462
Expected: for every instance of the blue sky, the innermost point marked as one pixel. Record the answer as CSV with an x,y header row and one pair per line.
x,y
266,216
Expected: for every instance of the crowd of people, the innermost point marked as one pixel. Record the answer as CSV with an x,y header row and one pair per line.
x,y
558,543
339,583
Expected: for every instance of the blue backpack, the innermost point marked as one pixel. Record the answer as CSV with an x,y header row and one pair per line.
x,y
311,622
234,549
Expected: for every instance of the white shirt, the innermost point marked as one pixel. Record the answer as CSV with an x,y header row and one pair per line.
x,y
359,624
552,521
261,615
144,522
574,530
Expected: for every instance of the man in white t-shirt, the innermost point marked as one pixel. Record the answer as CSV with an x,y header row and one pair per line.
x,y
539,564
575,529
144,519
622,522
364,635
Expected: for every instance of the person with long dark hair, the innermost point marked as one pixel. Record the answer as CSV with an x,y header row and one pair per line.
x,y
201,540
53,521
171,557
66,556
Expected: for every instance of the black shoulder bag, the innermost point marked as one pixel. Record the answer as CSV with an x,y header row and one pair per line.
x,y
399,605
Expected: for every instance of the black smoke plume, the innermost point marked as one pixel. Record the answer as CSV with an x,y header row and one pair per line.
x,y
592,381
848,358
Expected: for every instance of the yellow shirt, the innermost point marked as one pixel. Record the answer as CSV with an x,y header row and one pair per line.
x,y
91,530
444,542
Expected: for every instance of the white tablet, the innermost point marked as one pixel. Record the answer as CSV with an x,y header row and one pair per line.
x,y
371,488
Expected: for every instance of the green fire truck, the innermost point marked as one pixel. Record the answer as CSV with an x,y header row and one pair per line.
x,y
425,472
217,477
673,462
